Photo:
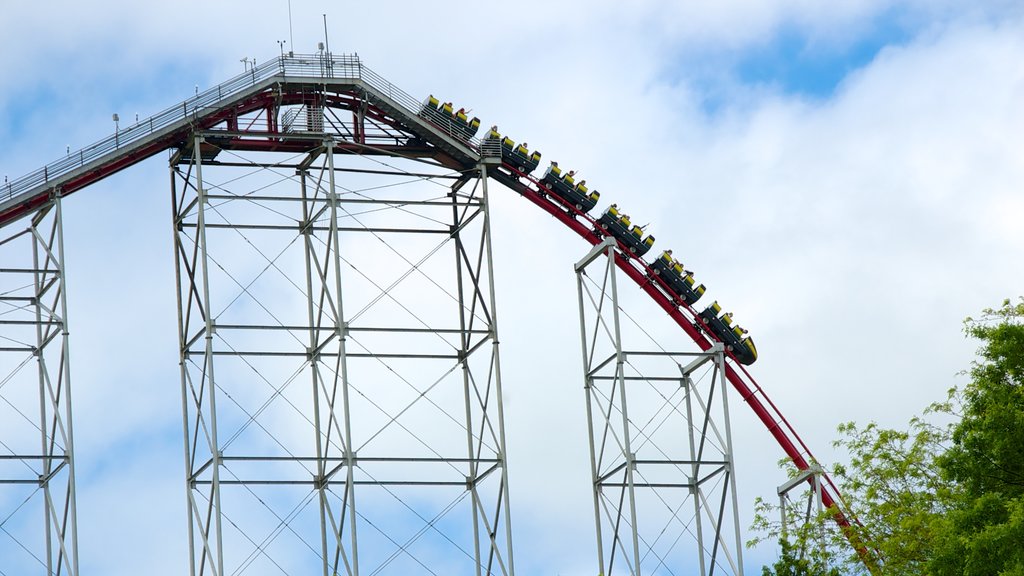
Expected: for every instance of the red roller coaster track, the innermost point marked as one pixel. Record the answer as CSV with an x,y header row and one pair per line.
x,y
243,114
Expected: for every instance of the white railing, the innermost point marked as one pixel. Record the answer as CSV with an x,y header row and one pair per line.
x,y
490,148
319,66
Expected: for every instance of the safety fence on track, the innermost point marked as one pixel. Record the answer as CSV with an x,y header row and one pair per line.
x,y
317,67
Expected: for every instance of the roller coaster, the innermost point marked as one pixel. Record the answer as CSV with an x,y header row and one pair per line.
x,y
282,106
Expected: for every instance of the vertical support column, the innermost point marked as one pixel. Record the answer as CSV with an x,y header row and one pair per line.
x,y
694,470
34,322
503,490
819,505
327,340
657,441
348,511
472,467
180,296
620,380
313,353
729,462
196,331
486,473
811,499
327,337
606,463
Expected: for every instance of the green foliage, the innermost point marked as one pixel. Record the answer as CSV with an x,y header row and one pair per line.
x,y
984,532
939,499
987,454
985,538
808,548
895,489
793,563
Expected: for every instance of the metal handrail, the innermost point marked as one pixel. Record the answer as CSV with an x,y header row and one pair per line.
x,y
490,148
319,66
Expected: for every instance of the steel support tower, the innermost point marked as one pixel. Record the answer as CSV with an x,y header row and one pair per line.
x,y
342,399
38,526
660,443
809,514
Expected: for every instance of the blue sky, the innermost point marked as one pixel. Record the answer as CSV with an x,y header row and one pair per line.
x,y
796,63
821,169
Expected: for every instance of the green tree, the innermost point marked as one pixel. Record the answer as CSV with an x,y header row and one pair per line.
x,y
805,548
794,561
984,531
893,488
941,498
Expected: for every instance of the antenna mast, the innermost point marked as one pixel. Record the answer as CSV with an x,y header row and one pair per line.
x,y
327,42
291,36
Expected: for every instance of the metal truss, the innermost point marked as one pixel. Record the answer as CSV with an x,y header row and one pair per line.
x,y
37,469
660,444
811,500
340,375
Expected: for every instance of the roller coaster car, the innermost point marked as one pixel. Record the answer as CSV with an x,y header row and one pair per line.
x,y
521,158
518,156
465,127
734,337
566,188
632,236
442,115
679,281
430,104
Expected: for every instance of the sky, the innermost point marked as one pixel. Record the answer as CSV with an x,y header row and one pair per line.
x,y
844,177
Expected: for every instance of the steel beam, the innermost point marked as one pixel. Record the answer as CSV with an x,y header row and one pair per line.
x,y
36,369
659,437
402,392
811,498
